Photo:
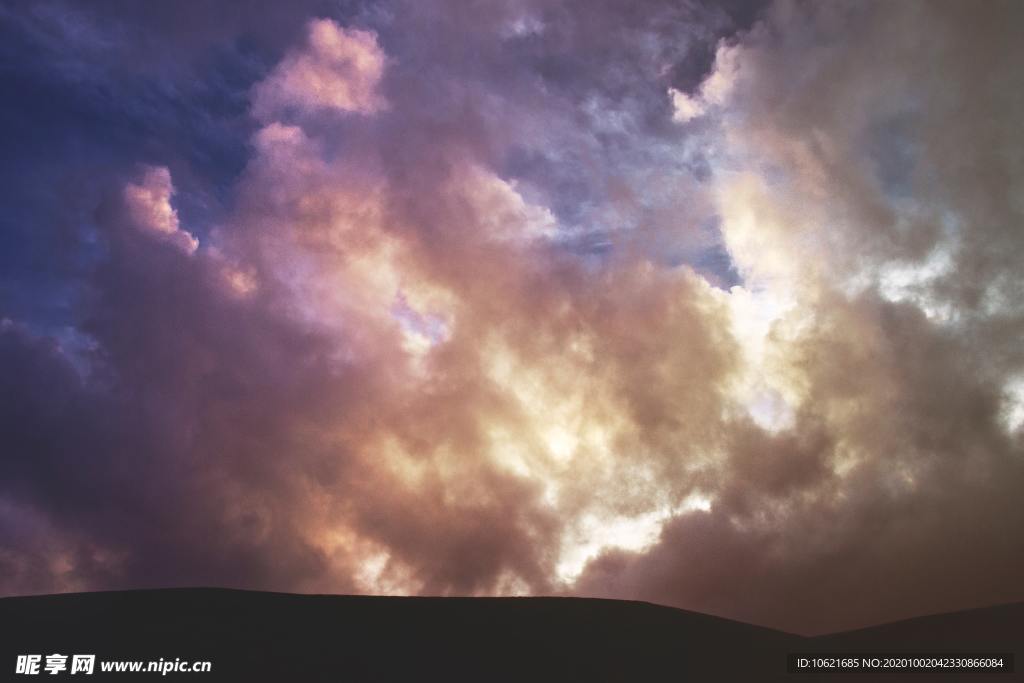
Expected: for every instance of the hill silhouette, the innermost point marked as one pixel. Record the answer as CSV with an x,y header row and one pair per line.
x,y
256,636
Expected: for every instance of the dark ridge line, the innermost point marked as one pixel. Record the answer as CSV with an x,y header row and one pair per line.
x,y
920,619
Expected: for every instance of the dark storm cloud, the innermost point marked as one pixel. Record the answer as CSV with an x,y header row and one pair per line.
x,y
125,461
892,490
925,520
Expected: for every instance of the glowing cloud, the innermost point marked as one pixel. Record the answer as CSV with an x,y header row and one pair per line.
x,y
149,203
339,69
513,330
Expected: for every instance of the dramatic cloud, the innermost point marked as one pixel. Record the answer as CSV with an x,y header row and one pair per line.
x,y
641,300
714,90
848,202
339,69
149,205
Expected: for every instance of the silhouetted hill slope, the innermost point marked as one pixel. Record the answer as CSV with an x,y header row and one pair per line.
x,y
252,636
987,628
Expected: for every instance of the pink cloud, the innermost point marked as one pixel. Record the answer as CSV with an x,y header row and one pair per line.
x,y
149,205
338,69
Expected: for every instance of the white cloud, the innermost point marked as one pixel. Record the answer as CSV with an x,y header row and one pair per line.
x,y
149,204
714,91
339,69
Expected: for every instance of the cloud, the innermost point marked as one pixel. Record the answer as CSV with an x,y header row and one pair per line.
x,y
397,366
894,449
149,205
714,89
339,69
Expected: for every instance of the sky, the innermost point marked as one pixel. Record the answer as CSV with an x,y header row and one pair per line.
x,y
715,305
